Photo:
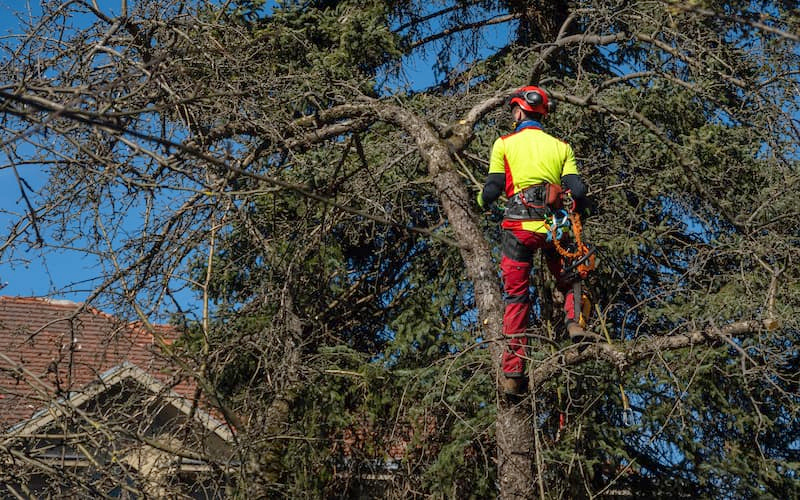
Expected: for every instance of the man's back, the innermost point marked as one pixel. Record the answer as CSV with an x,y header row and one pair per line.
x,y
530,156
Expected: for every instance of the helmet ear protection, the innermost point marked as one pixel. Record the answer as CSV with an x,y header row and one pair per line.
x,y
533,98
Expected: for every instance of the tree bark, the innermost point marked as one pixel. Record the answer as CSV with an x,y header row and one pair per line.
x,y
514,432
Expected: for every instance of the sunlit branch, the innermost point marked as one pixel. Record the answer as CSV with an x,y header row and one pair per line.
x,y
463,27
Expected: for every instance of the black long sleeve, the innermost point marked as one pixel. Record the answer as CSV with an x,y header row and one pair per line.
x,y
583,205
575,184
495,183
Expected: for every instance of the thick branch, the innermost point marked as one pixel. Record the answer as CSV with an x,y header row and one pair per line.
x,y
625,354
459,134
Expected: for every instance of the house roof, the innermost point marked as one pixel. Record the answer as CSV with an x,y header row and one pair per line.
x,y
51,348
115,376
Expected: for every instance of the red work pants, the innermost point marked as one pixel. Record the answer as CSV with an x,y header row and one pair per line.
x,y
518,249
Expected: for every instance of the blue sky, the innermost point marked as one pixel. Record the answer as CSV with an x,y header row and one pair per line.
x,y
65,274
31,271
28,271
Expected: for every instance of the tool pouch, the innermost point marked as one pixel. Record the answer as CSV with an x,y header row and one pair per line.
x,y
553,196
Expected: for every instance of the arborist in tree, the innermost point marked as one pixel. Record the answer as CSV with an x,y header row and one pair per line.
x,y
536,172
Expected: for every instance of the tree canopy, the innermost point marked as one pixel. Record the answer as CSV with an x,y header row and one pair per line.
x,y
307,171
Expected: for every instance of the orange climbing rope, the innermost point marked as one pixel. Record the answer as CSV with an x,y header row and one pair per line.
x,y
582,256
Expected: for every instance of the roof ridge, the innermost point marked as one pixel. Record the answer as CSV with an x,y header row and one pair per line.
x,y
46,300
136,327
64,345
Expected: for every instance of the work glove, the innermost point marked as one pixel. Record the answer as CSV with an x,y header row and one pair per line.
x,y
585,207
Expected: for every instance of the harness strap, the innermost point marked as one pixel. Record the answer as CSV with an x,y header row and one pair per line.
x,y
534,202
517,299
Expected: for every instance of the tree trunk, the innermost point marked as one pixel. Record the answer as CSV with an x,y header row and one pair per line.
x,y
513,429
514,434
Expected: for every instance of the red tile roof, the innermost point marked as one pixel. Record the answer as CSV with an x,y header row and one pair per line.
x,y
49,348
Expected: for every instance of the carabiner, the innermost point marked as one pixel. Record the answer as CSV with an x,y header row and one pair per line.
x,y
555,233
564,222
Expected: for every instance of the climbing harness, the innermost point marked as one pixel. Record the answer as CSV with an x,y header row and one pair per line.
x,y
534,202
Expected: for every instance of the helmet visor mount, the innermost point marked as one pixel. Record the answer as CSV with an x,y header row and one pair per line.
x,y
531,99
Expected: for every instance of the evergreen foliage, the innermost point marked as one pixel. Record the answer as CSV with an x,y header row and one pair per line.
x,y
345,322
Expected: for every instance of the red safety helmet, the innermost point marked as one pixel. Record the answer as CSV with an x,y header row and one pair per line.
x,y
531,99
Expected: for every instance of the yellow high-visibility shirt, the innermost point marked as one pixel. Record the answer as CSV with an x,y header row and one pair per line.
x,y
527,157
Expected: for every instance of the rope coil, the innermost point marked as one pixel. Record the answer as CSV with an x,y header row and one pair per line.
x,y
583,257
